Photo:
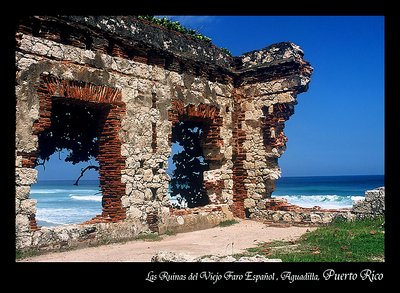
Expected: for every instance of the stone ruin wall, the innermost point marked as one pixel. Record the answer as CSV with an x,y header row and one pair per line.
x,y
372,206
278,212
149,78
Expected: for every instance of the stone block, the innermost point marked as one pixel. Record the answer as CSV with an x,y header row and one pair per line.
x,y
315,218
276,216
138,194
23,240
148,194
22,223
25,176
180,220
125,201
135,212
327,217
228,184
18,161
249,203
28,206
287,218
248,165
17,206
148,175
297,218
22,192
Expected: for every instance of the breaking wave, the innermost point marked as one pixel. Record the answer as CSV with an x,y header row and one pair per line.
x,y
331,201
86,197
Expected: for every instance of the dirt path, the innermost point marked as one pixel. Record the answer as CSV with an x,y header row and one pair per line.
x,y
215,241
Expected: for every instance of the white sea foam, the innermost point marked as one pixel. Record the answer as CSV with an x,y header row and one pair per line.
x,y
331,201
86,197
44,223
48,191
357,198
61,216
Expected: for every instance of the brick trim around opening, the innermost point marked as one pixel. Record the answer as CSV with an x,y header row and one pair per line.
x,y
212,138
110,160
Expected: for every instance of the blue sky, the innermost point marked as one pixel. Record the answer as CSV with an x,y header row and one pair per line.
x,y
338,125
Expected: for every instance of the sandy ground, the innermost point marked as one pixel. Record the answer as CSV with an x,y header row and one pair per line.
x,y
215,241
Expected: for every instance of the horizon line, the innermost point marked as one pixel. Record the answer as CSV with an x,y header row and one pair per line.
x,y
294,176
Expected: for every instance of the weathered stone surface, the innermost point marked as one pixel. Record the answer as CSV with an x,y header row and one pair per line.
x,y
167,256
23,239
148,175
150,78
279,211
17,206
315,218
249,203
125,201
180,220
372,206
78,235
258,258
25,176
134,31
21,223
185,220
215,258
135,212
22,192
28,206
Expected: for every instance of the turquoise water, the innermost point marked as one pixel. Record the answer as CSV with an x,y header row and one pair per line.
x,y
60,202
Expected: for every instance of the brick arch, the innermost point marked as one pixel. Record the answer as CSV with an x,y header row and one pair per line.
x,y
109,157
210,114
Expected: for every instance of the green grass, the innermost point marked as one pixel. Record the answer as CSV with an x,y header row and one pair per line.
x,y
170,233
227,223
357,241
149,237
19,254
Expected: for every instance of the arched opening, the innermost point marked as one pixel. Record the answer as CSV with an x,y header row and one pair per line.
x,y
187,182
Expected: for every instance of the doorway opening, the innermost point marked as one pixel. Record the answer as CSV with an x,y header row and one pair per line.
x,y
68,149
85,120
187,182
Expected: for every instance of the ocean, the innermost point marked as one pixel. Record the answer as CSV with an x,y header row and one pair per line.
x,y
60,202
328,192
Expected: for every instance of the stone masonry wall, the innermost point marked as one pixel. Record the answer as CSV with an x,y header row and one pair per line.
x,y
277,211
372,206
265,105
149,78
